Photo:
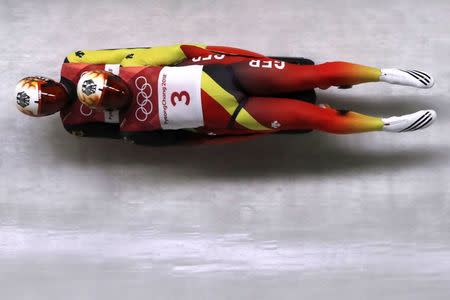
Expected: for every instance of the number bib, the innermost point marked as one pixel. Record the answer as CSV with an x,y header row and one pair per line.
x,y
179,97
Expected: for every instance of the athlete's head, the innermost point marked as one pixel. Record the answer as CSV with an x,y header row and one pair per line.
x,y
40,96
103,90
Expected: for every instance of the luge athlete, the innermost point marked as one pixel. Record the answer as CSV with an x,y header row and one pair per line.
x,y
209,91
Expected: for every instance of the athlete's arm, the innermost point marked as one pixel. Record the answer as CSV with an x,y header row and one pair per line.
x,y
128,57
156,56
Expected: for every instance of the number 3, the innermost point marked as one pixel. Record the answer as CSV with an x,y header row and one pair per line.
x,y
179,97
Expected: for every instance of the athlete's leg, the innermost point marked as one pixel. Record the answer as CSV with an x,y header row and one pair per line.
x,y
288,114
265,78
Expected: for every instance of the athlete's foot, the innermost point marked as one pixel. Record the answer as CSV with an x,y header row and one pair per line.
x,y
414,78
419,120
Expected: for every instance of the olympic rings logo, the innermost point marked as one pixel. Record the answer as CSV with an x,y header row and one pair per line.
x,y
143,99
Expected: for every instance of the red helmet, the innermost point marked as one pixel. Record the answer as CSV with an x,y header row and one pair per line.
x,y
103,90
40,96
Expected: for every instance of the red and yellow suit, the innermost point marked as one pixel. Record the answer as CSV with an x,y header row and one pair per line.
x,y
239,90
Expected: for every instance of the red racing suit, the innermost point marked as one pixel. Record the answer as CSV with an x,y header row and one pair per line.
x,y
216,94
